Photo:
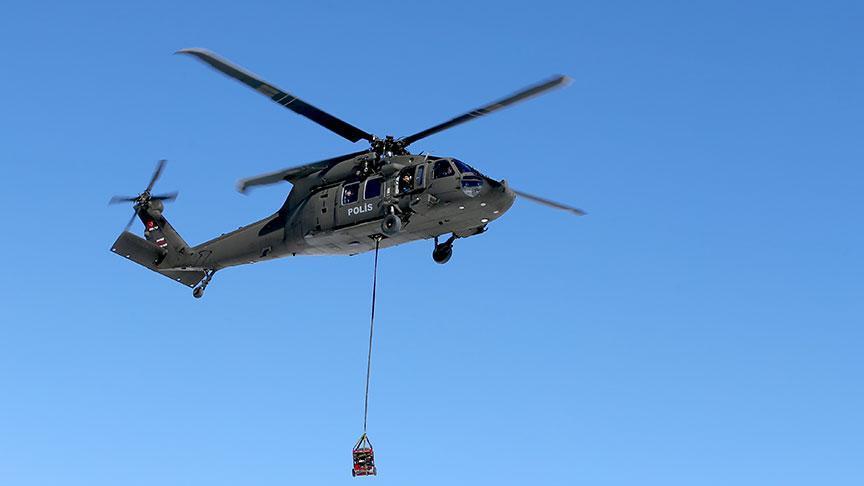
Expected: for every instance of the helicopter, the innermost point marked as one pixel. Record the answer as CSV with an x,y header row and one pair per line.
x,y
345,205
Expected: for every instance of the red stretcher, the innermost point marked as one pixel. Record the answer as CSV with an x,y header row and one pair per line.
x,y
364,458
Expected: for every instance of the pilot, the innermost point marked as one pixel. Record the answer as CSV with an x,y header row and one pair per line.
x,y
406,182
348,195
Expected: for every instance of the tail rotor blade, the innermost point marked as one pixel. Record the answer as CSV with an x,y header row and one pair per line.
x,y
168,197
122,199
142,201
551,204
159,167
131,220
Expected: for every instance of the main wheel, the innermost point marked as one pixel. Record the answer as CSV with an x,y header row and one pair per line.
x,y
442,254
197,292
391,225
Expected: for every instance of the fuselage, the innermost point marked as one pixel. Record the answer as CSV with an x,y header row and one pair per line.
x,y
431,195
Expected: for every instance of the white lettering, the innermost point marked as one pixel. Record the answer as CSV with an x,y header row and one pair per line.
x,y
360,209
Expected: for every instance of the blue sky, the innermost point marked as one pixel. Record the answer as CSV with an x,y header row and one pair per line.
x,y
703,325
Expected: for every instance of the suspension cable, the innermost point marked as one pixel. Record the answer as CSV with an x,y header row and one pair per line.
x,y
371,330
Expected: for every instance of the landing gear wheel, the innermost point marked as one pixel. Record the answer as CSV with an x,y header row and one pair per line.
x,y
198,291
443,251
441,254
391,225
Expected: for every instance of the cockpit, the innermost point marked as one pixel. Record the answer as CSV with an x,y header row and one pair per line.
x,y
465,168
444,168
472,179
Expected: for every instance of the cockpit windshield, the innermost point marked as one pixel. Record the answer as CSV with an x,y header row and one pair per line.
x,y
465,168
472,179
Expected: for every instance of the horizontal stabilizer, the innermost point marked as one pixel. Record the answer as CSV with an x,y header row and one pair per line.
x,y
149,255
138,250
189,278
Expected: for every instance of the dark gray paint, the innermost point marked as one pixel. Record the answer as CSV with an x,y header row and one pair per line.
x,y
314,220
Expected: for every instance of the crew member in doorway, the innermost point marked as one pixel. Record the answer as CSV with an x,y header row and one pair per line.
x,y
406,182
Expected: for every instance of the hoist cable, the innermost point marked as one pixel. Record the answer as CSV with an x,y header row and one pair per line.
x,y
371,330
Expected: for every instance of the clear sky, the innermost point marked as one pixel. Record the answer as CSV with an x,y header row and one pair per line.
x,y
703,325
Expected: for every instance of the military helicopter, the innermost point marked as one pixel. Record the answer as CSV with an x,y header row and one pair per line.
x,y
345,205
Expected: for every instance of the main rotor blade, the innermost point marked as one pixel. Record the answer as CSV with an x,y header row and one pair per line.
x,y
284,98
122,199
159,167
487,109
553,204
294,173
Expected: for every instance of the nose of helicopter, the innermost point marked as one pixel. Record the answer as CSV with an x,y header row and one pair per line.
x,y
499,197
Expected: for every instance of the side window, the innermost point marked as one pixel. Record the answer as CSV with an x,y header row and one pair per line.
x,y
442,169
350,193
421,172
373,188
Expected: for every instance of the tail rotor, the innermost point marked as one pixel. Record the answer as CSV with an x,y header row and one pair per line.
x,y
145,200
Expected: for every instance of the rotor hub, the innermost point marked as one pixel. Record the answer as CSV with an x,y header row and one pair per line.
x,y
388,146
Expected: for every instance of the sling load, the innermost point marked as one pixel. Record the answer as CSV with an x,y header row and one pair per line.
x,y
364,458
363,455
